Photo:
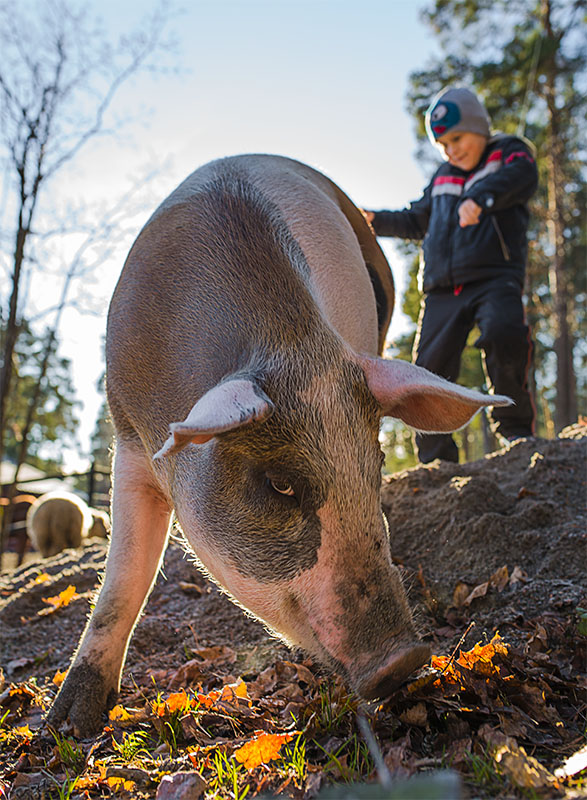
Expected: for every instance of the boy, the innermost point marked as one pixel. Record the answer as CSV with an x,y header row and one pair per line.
x,y
473,219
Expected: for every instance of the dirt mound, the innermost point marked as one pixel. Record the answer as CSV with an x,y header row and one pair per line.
x,y
455,527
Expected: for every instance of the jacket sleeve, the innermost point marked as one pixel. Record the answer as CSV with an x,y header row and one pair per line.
x,y
409,223
514,183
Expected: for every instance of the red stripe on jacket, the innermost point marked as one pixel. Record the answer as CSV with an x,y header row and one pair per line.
x,y
519,154
448,179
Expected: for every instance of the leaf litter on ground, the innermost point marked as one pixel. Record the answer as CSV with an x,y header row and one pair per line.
x,y
493,715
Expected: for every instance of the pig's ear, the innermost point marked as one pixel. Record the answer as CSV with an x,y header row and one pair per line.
x,y
421,399
223,408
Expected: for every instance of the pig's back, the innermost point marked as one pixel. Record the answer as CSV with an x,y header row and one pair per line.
x,y
248,255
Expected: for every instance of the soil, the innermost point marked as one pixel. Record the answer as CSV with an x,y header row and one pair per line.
x,y
499,542
450,525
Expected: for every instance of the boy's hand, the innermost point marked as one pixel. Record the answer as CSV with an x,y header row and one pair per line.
x,y
369,215
469,213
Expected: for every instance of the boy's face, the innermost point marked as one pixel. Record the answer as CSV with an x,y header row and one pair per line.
x,y
463,149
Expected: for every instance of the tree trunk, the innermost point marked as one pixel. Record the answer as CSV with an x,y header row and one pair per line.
x,y
566,402
11,333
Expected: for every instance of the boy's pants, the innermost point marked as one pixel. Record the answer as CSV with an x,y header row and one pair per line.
x,y
446,318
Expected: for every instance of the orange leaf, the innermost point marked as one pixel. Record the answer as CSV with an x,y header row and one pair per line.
x,y
178,701
119,784
60,600
263,748
232,691
23,731
42,577
229,694
118,713
59,677
480,657
439,662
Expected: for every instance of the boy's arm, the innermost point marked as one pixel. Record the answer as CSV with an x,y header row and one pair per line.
x,y
409,223
515,182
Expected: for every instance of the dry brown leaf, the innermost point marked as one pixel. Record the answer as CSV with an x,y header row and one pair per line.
x,y
499,579
538,642
478,591
518,576
190,672
524,770
416,715
461,591
228,694
459,751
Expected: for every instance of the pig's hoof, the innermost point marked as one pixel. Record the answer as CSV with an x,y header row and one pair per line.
x,y
84,699
398,667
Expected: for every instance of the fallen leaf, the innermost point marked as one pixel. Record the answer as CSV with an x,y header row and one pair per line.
x,y
42,577
524,770
480,658
218,654
23,732
59,677
518,576
178,701
18,663
228,694
120,784
478,591
59,601
190,672
538,642
416,715
118,713
263,748
461,591
499,579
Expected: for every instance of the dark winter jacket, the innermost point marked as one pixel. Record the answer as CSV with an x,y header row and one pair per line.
x,y
502,183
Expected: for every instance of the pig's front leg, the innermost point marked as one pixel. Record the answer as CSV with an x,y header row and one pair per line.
x,y
140,523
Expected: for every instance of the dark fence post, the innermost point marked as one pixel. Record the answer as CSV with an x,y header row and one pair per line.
x,y
91,483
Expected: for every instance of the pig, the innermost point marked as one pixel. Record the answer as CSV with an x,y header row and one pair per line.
x,y
247,387
100,526
56,521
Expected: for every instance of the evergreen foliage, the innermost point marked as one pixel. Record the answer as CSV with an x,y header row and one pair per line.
x,y
55,421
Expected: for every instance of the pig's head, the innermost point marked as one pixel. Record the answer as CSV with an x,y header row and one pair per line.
x,y
276,484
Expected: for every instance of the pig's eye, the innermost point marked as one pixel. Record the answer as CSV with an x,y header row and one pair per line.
x,y
281,487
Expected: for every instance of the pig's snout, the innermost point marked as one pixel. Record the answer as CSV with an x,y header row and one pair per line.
x,y
382,682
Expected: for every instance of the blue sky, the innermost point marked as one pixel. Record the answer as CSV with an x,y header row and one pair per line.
x,y
323,81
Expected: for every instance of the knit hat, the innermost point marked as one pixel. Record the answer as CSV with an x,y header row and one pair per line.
x,y
456,110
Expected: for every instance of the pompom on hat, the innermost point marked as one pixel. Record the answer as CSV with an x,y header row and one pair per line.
x,y
456,110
